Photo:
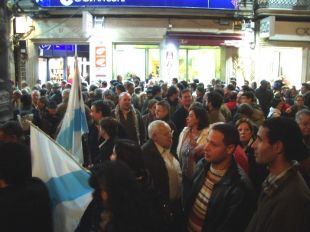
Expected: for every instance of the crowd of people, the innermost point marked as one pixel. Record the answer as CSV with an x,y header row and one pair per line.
x,y
171,157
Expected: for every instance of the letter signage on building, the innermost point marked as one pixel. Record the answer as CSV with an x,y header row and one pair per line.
x,y
207,4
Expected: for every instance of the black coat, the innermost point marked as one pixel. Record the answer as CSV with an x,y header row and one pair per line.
x,y
232,200
156,165
171,213
26,208
179,119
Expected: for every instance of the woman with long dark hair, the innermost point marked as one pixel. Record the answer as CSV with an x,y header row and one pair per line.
x,y
191,143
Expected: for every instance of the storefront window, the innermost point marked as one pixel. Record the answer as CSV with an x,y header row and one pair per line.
x,y
140,60
201,63
281,63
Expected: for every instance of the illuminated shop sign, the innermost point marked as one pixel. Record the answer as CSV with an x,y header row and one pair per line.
x,y
207,4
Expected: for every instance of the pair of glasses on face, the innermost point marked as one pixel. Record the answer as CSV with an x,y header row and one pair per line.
x,y
170,133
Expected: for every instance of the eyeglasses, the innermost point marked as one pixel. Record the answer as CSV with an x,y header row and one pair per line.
x,y
170,133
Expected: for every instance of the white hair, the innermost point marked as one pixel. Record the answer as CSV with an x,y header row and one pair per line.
x,y
154,127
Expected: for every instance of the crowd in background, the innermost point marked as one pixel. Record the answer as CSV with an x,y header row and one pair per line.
x,y
161,138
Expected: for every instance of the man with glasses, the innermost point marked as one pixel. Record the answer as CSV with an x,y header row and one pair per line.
x,y
166,172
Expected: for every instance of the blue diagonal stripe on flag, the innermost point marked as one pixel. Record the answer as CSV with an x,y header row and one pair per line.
x,y
66,180
74,124
77,124
67,188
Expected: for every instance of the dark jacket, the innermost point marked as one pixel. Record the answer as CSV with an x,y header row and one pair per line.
x,y
179,119
26,208
232,201
93,142
156,165
171,214
285,209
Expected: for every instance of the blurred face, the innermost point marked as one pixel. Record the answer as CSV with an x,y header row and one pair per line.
x,y
192,120
245,133
163,136
125,102
244,99
186,99
304,125
264,152
174,97
160,112
215,150
51,111
280,105
35,97
299,101
130,89
41,105
96,116
153,109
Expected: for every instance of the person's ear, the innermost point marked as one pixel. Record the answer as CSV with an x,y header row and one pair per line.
x,y
104,195
230,149
278,147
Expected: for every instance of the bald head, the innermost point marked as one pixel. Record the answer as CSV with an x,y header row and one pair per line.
x,y
124,101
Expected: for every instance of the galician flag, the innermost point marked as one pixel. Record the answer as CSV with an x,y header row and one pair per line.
x,y
66,180
74,123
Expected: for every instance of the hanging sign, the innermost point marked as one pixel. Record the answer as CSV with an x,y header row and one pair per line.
x,y
205,4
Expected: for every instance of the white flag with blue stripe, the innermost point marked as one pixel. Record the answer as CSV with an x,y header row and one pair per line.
x,y
66,180
74,123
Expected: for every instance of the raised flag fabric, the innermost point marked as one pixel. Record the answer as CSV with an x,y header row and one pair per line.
x,y
74,123
66,180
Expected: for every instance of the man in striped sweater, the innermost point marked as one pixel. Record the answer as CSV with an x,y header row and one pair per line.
x,y
222,197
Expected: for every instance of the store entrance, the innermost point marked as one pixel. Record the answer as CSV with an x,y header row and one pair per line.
x,y
56,62
136,60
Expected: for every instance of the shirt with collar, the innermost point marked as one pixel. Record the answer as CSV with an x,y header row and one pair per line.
x,y
174,172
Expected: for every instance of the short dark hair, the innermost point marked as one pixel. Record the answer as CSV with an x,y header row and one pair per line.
x,y
121,87
164,104
102,107
231,134
15,163
118,180
202,116
110,125
249,94
215,99
175,80
184,91
275,102
130,152
12,129
286,131
172,90
151,103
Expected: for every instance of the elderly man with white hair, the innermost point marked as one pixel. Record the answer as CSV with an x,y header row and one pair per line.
x,y
166,172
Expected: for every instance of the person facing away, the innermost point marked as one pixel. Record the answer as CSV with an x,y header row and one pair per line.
x,y
284,203
24,200
222,198
115,186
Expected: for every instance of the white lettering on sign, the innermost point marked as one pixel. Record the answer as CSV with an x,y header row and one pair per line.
x,y
70,2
